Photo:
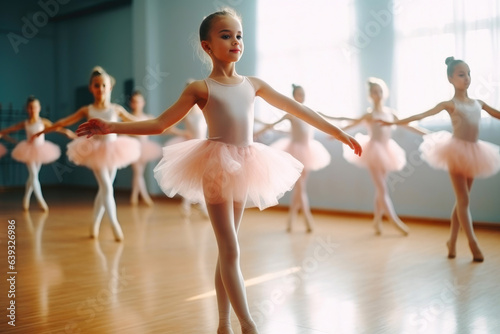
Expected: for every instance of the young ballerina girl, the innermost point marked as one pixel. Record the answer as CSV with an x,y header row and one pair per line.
x,y
102,154
381,154
150,151
228,169
34,151
195,127
462,154
310,152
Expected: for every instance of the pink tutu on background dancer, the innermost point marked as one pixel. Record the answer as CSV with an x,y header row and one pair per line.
x,y
103,154
462,154
311,153
34,150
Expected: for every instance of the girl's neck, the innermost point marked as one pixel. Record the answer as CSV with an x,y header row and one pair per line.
x,y
225,72
138,112
378,107
34,118
461,95
102,104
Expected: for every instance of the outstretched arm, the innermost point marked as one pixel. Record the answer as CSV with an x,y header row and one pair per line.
x,y
413,128
336,118
492,111
67,121
67,132
12,128
446,105
194,93
269,126
291,106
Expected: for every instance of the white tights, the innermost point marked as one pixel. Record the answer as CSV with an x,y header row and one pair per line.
x,y
105,202
383,204
139,185
229,285
33,185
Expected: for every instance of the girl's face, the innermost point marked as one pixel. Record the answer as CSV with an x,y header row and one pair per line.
x,y
299,95
137,102
461,77
376,93
100,87
226,40
33,108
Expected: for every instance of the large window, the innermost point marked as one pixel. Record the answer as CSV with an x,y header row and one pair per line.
x,y
304,42
428,31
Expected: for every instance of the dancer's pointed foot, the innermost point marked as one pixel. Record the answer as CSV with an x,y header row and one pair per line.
x,y
377,225
477,255
250,328
452,252
225,329
402,227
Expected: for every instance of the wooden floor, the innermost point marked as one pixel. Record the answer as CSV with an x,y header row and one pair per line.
x,y
339,279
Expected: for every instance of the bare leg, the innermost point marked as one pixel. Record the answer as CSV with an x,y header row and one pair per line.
x,y
462,186
33,185
454,228
383,201
293,211
105,198
301,190
225,219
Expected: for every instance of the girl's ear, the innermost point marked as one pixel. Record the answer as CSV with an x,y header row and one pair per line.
x,y
205,46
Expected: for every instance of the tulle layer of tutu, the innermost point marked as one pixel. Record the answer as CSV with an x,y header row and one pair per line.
x,y
386,156
3,150
150,151
312,154
43,152
472,159
216,172
96,153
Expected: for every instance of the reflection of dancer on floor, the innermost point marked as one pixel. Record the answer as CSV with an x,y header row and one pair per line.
x,y
150,151
228,169
195,127
310,152
462,154
102,154
34,151
381,154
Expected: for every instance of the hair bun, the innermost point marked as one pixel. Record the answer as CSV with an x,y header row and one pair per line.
x,y
449,60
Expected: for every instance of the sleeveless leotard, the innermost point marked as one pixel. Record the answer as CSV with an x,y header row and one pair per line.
x,y
39,150
228,165
302,145
104,151
462,152
380,151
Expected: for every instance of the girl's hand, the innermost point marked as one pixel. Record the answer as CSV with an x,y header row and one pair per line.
x,y
353,144
94,126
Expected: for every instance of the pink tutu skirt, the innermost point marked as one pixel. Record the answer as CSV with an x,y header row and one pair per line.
x,y
40,152
97,152
200,169
312,154
386,156
150,150
472,159
3,150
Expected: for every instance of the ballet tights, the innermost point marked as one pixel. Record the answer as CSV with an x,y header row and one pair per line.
x,y
383,204
229,285
461,216
139,185
105,202
300,201
33,185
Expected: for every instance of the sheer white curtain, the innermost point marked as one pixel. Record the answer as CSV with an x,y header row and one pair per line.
x,y
428,31
304,42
